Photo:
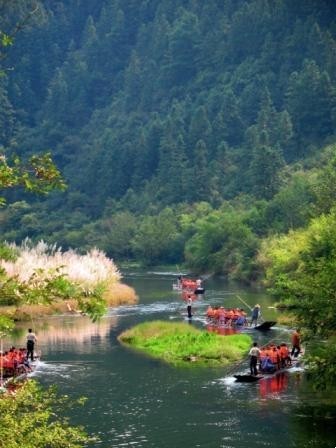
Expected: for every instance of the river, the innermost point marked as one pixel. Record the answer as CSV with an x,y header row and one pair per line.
x,y
135,401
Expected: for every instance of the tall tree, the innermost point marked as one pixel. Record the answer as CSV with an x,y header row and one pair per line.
x,y
265,169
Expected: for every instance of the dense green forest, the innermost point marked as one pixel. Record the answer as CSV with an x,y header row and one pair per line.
x,y
186,131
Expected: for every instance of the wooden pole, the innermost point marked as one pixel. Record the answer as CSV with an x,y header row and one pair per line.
x,y
248,306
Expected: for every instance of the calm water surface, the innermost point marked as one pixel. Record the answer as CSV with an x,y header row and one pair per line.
x,y
135,401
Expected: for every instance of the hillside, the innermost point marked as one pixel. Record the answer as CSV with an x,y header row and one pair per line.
x,y
186,130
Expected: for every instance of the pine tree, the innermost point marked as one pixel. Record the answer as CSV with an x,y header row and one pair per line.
x,y
265,169
7,119
200,127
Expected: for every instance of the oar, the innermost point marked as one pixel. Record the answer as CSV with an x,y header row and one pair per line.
x,y
248,306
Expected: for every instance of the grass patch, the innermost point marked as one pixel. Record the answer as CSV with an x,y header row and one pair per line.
x,y
181,344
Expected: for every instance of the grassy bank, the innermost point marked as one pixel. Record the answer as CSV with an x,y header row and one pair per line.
x,y
182,344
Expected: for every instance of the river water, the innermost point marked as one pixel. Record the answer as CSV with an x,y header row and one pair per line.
x,y
135,401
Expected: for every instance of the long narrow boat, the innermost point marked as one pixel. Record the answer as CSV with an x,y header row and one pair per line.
x,y
248,378
264,326
234,318
188,284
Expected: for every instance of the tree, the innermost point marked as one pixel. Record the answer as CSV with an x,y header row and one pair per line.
x,y
325,188
35,418
7,118
183,46
311,102
265,169
223,243
199,186
300,269
156,238
38,175
117,233
292,206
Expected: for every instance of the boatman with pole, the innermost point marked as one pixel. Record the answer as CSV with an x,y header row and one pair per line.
x,y
254,356
189,303
31,340
255,315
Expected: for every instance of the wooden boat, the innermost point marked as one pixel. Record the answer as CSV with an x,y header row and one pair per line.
x,y
190,285
247,378
264,326
227,317
234,318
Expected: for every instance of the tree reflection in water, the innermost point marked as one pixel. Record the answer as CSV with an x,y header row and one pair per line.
x,y
77,331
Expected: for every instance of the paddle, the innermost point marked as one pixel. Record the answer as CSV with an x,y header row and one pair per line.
x,y
250,308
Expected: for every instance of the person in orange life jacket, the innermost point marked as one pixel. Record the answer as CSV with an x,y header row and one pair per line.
x,y
254,356
31,340
296,341
210,313
284,355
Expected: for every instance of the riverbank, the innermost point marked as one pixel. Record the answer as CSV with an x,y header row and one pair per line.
x,y
181,344
115,295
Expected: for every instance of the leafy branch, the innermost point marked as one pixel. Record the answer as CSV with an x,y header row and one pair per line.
x,y
38,175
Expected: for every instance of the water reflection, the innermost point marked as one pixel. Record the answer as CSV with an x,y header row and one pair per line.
x,y
67,330
271,387
222,330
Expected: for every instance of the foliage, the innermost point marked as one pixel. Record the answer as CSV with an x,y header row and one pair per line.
x,y
322,364
7,252
144,134
6,325
155,236
34,418
42,273
300,268
180,343
136,126
223,243
39,175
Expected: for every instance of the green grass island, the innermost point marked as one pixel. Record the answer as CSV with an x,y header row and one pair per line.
x,y
181,344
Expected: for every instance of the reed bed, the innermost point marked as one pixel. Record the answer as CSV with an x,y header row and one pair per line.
x,y
42,280
181,344
88,270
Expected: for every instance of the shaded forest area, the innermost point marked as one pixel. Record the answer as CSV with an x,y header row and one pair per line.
x,y
187,131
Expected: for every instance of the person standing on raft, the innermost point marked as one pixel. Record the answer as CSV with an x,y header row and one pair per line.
x,y
31,340
296,341
189,303
254,356
256,313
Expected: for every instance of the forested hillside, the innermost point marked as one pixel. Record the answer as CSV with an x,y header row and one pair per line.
x,y
186,130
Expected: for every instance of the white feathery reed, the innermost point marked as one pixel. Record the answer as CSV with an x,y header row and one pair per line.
x,y
87,270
